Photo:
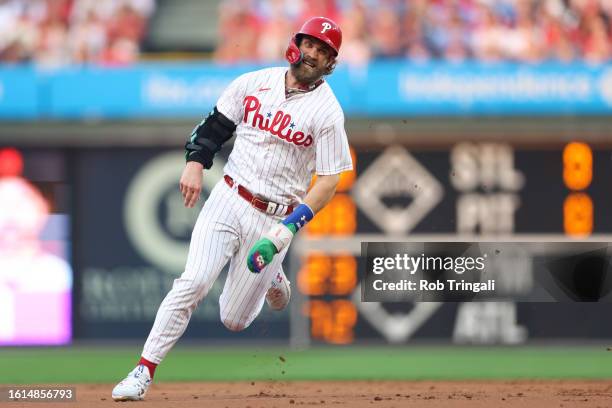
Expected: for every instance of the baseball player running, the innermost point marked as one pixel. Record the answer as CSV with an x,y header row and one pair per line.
x,y
288,126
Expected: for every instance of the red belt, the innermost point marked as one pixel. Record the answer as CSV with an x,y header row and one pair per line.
x,y
269,207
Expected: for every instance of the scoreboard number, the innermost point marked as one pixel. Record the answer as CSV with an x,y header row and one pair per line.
x,y
577,176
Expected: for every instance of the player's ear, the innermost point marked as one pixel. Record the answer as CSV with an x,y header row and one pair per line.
x,y
331,66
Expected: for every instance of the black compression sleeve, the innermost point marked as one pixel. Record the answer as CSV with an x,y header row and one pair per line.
x,y
208,138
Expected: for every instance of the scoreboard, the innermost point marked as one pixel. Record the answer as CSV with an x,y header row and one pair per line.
x,y
486,189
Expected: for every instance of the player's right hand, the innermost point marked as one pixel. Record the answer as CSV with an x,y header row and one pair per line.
x,y
191,183
260,255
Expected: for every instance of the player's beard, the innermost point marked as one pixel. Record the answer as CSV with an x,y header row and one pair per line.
x,y
306,74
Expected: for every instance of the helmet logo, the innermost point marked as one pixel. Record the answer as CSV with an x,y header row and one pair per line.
x,y
326,26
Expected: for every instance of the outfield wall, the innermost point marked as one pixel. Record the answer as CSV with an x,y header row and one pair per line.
x,y
118,221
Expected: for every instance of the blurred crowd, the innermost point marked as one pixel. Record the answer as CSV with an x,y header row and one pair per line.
x,y
62,32
109,32
451,30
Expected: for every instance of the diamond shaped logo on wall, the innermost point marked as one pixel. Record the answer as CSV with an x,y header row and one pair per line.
x,y
396,327
393,178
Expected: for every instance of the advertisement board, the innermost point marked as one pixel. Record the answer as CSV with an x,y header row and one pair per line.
x,y
380,89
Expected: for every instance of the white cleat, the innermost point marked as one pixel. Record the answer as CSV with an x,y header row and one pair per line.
x,y
279,293
134,386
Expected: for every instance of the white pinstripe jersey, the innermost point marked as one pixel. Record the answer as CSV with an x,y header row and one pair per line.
x,y
281,142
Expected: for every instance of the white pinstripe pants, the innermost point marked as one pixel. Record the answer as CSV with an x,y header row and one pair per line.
x,y
226,229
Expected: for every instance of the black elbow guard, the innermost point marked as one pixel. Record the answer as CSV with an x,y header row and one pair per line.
x,y
208,138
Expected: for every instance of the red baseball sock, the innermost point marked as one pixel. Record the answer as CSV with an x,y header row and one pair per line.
x,y
151,366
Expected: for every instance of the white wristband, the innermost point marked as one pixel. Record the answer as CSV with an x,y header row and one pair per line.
x,y
280,236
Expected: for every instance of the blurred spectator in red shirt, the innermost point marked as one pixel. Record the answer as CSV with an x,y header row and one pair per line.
x,y
239,32
596,40
126,23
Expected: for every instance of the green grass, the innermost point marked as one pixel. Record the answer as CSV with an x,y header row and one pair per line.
x,y
109,364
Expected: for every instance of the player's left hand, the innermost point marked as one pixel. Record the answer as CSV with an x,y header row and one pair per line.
x,y
261,254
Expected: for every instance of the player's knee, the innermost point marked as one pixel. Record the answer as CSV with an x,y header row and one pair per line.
x,y
234,324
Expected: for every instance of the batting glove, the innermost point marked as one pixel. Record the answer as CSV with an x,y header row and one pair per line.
x,y
278,238
260,255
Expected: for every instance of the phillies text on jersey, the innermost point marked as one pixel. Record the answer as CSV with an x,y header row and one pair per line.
x,y
280,126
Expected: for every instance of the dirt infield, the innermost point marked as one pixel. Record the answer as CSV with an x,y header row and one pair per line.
x,y
369,394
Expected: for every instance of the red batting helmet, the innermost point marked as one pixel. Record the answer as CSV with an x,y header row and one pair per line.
x,y
322,28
